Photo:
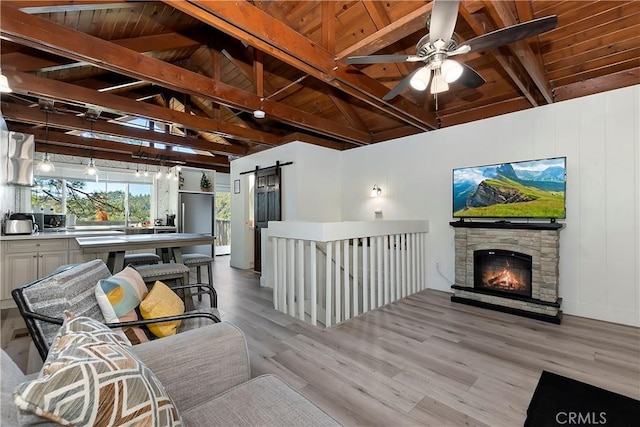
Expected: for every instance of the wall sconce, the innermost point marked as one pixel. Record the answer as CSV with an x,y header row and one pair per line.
x,y
376,191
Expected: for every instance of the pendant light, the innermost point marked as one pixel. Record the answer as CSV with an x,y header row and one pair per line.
x,y
91,168
46,165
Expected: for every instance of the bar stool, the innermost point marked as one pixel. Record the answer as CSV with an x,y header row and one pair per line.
x,y
198,261
166,272
141,259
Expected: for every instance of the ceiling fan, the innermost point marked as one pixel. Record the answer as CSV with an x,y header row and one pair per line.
x,y
435,48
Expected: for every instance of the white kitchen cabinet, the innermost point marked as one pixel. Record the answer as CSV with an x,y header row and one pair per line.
x,y
24,261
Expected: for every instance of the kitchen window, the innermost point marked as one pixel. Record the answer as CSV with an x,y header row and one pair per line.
x,y
93,203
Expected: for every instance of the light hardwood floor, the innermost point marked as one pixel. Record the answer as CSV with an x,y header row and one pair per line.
x,y
422,360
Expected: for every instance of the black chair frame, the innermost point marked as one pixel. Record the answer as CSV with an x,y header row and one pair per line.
x,y
39,340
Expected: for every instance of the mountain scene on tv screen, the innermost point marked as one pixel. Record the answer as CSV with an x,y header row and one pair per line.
x,y
523,189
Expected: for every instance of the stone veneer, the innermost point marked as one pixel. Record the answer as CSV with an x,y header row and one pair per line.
x,y
543,245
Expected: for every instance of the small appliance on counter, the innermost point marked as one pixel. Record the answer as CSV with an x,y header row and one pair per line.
x,y
53,222
20,223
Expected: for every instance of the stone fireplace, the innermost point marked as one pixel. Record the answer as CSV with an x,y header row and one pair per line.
x,y
511,267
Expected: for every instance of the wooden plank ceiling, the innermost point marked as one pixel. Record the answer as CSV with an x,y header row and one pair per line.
x,y
190,74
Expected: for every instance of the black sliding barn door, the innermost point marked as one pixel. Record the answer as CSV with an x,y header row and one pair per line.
x,y
266,205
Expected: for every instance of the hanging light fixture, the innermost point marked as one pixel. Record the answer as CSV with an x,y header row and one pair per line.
x,y
137,170
146,170
46,165
438,83
376,191
168,176
91,169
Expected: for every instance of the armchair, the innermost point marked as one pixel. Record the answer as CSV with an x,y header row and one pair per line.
x,y
42,303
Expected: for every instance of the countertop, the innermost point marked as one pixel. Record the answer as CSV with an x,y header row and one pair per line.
x,y
69,234
88,231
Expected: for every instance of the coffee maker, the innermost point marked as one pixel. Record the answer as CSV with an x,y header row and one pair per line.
x,y
171,220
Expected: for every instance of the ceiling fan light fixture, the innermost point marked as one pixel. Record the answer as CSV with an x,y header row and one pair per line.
x,y
451,70
438,83
420,80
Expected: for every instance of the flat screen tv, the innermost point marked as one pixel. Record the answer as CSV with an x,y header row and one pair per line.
x,y
528,189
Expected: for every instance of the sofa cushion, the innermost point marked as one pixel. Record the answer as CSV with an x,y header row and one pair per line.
x,y
262,401
89,381
10,378
161,301
118,297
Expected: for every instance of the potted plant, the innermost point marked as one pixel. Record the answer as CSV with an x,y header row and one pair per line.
x,y
205,184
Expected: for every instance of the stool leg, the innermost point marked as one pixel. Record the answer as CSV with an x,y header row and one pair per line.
x,y
212,292
187,293
199,275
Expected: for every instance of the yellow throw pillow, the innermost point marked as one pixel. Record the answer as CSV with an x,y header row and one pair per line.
x,y
161,301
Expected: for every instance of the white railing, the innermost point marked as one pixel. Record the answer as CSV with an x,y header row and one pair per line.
x,y
325,273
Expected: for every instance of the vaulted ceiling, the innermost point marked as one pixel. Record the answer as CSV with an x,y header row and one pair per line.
x,y
190,74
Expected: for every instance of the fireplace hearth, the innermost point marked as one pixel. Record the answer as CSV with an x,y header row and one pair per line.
x,y
511,267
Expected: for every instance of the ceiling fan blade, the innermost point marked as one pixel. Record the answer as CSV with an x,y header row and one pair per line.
x,y
401,86
379,59
443,20
470,77
512,34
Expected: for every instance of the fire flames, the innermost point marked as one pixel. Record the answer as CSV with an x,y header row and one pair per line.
x,y
506,279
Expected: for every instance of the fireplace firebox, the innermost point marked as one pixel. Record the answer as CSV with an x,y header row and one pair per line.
x,y
502,272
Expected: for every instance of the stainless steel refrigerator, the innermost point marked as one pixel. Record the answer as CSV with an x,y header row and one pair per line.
x,y
197,215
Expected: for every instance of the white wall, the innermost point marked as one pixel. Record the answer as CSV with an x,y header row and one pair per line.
x,y
600,246
310,191
599,135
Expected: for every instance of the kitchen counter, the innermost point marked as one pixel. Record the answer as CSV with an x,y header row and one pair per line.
x,y
68,234
88,231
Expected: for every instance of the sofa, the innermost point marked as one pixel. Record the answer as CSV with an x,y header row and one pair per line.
x,y
206,372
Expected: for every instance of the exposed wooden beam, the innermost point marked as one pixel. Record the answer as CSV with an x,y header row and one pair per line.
x,y
347,111
64,139
503,17
481,25
598,84
39,86
153,43
381,19
399,132
260,30
328,26
258,72
300,136
106,155
484,112
390,34
39,33
52,6
34,116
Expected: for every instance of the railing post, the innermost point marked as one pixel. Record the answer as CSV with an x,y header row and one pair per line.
x,y
276,283
313,288
282,275
291,290
385,254
356,280
300,271
403,248
347,289
365,274
338,295
398,286
328,296
380,267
